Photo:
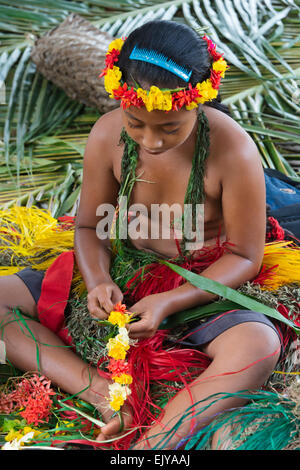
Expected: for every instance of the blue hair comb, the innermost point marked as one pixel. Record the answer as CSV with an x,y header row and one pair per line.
x,y
160,60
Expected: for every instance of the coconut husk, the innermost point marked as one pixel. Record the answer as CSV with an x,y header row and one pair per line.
x,y
72,56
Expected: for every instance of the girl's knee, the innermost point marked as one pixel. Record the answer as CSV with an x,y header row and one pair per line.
x,y
245,355
248,342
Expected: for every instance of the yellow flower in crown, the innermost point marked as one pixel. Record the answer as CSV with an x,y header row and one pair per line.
x,y
164,100
206,91
158,99
142,94
112,80
116,44
220,66
193,105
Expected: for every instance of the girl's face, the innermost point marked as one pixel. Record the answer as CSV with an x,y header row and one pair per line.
x,y
157,131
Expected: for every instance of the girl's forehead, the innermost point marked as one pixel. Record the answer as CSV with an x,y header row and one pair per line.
x,y
158,117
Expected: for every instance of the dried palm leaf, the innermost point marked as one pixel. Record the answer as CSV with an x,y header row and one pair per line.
x,y
72,56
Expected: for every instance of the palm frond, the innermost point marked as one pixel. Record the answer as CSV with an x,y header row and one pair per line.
x,y
259,38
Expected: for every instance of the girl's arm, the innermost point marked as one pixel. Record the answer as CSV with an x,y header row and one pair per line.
x,y
92,254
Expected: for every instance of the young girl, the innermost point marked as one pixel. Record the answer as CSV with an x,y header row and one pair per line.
x,y
178,145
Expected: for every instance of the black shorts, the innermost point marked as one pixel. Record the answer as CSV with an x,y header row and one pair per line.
x,y
196,336
33,280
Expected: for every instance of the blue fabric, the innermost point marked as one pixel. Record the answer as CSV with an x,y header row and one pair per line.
x,y
280,193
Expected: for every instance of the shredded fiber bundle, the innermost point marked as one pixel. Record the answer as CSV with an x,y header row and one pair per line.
x,y
282,257
32,237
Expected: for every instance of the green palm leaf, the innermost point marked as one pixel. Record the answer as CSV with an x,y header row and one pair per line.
x,y
236,298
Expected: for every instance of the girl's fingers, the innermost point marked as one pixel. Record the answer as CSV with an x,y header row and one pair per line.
x,y
95,308
117,296
107,305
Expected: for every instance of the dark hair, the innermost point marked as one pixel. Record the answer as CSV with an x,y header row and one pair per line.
x,y
176,41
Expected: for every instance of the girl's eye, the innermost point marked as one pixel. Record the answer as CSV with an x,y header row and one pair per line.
x,y
172,132
133,126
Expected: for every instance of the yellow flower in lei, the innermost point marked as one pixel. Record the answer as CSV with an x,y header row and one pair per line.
x,y
119,318
13,434
117,348
123,379
118,394
118,345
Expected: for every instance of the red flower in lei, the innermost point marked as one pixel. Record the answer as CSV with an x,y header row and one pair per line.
x,y
118,367
119,307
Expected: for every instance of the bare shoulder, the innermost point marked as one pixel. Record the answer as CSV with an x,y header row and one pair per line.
x,y
105,134
233,148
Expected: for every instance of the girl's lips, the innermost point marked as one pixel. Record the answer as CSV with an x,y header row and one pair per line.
x,y
153,152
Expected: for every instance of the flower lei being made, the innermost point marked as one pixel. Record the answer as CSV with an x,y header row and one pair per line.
x,y
155,98
117,347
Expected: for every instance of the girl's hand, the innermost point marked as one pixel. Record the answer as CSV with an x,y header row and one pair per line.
x,y
102,298
152,310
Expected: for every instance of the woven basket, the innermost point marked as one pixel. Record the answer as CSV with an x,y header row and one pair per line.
x,y
72,56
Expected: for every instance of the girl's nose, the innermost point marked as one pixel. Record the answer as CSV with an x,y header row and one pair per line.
x,y
151,140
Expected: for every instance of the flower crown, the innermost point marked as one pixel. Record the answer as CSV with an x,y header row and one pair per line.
x,y
156,98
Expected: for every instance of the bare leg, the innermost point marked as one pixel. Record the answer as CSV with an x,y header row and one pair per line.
x,y
57,362
232,351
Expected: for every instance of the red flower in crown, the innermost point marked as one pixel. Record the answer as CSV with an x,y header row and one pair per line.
x,y
110,59
215,78
184,98
212,48
128,97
